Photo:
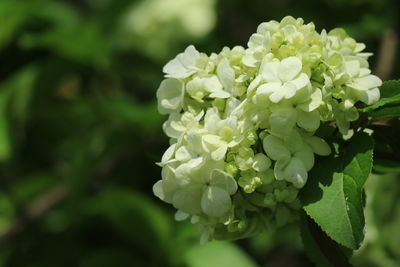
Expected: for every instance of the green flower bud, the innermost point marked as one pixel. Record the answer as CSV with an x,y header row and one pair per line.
x,y
232,169
251,137
219,103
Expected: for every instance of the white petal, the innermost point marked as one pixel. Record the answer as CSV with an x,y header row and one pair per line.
x,y
289,68
366,82
253,85
301,81
288,90
268,88
212,84
158,190
169,96
168,154
189,57
226,75
182,65
276,96
174,68
373,96
264,91
220,152
183,154
352,67
368,96
220,94
313,103
269,72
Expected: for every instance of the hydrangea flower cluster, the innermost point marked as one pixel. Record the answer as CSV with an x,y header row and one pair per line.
x,y
242,123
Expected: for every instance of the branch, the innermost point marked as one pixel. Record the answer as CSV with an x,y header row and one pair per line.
x,y
387,55
34,211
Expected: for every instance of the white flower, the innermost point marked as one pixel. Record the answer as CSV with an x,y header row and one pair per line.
x,y
220,134
183,65
207,191
364,85
249,118
282,79
170,96
293,157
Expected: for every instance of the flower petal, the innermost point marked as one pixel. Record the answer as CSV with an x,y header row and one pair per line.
x,y
289,68
309,121
296,173
275,148
215,201
223,180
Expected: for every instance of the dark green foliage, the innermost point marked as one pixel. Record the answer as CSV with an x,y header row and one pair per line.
x,y
333,196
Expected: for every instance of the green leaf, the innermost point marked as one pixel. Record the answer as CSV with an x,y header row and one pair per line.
x,y
385,112
14,96
333,195
122,109
14,14
134,216
116,257
386,166
5,140
216,254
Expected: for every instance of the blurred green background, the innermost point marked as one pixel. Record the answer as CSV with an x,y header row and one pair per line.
x,y
80,132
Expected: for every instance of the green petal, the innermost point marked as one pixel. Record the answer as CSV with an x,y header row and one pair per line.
x,y
188,199
319,146
275,148
296,173
223,180
306,156
261,162
215,201
282,120
279,168
293,141
309,121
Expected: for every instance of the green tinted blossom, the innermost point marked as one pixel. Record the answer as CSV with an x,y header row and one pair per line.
x,y
242,123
